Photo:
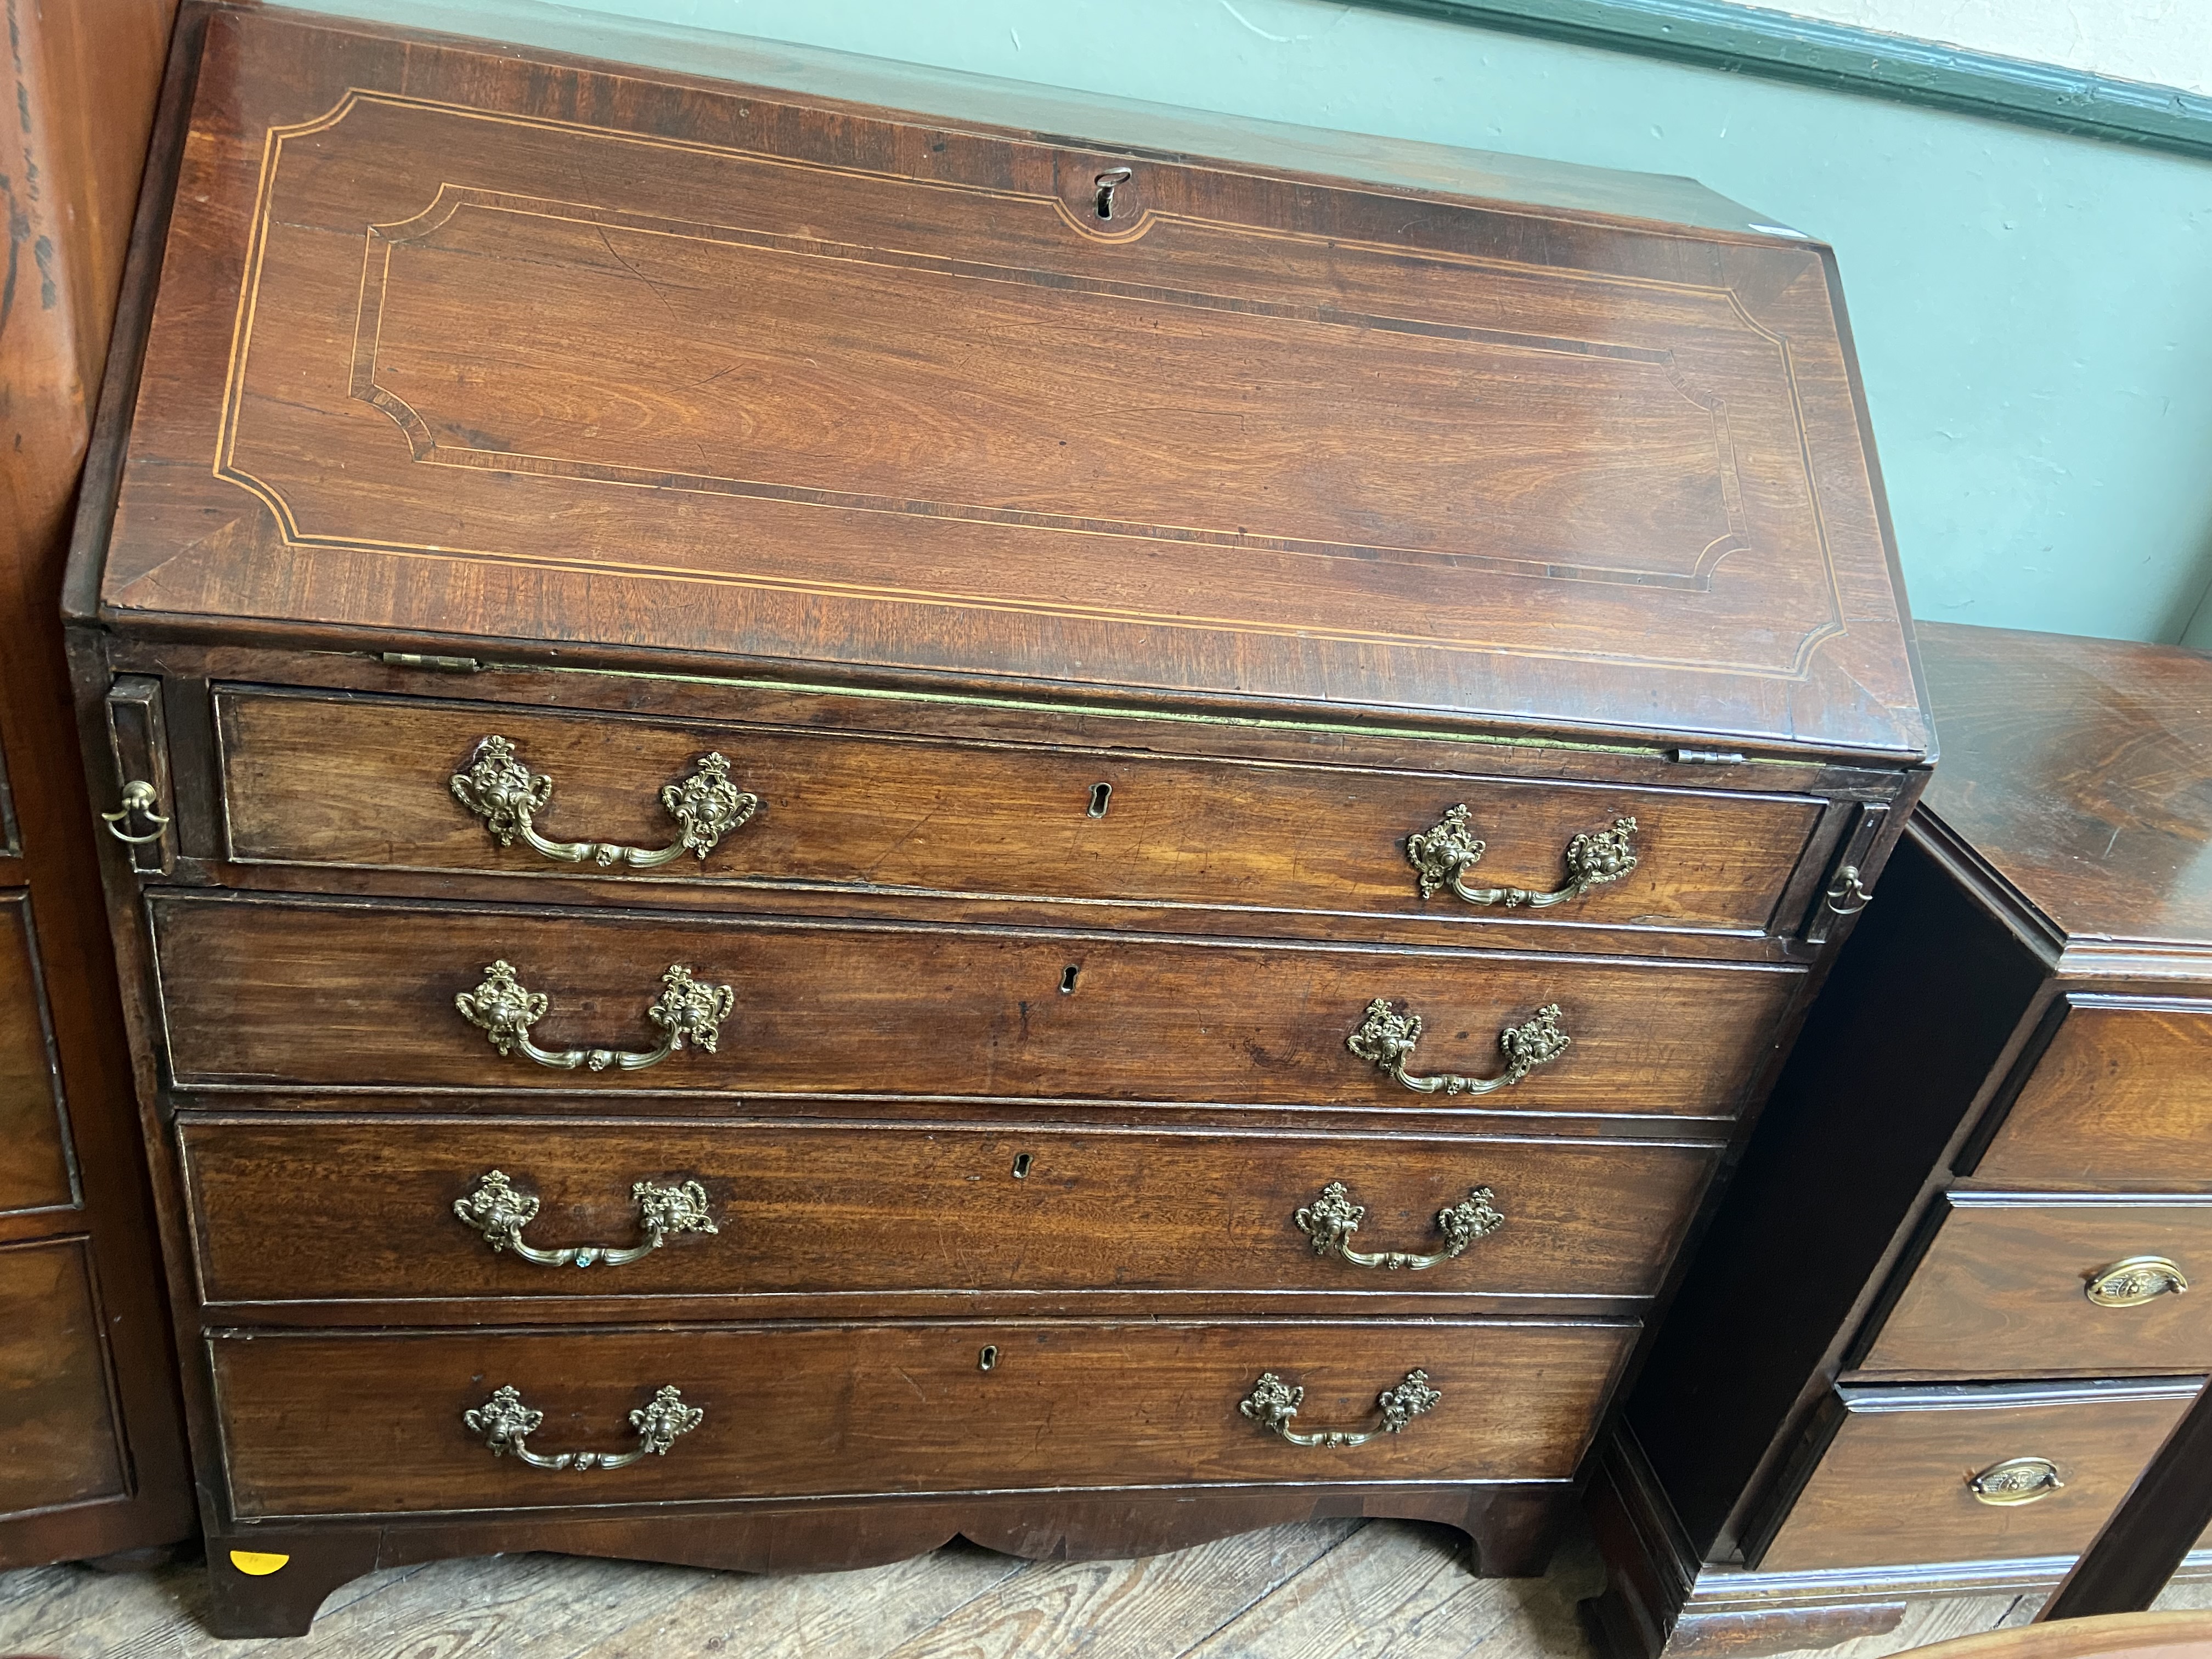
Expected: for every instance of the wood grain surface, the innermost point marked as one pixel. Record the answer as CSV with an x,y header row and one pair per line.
x,y
261,995
2002,1292
1254,438
40,1172
364,782
2120,1098
795,1410
60,1441
1892,1485
804,1208
2077,769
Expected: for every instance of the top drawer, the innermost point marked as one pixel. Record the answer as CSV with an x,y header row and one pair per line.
x,y
405,784
2119,1100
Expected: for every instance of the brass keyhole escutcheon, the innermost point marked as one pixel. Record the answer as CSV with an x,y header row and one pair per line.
x,y
1108,182
1022,1166
988,1357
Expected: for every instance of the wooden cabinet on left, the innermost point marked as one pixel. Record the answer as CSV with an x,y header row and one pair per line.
x,y
92,1456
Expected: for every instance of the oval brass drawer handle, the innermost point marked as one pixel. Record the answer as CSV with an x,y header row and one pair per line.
x,y
1331,1219
506,794
1273,1403
686,1011
2016,1480
494,1209
2136,1280
1442,856
507,1424
1387,1038
139,796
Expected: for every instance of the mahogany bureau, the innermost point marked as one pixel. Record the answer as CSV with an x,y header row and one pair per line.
x,y
1946,1313
846,827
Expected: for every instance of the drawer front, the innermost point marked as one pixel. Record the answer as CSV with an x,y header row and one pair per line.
x,y
39,1172
262,994
1893,1488
2005,1289
823,1207
60,1442
369,782
2120,1099
330,1425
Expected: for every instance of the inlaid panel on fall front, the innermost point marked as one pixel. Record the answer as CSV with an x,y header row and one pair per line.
x,y
261,992
388,783
677,369
513,1208
425,1422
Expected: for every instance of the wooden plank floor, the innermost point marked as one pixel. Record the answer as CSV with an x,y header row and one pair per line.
x,y
1322,1589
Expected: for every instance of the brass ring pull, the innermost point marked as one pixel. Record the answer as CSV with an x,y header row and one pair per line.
x,y
507,1424
2136,1280
1847,895
1442,856
138,797
1386,1038
2016,1480
1273,1403
1331,1220
494,1209
686,1011
506,794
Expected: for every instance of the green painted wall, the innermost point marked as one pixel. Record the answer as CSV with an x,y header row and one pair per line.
x,y
2033,312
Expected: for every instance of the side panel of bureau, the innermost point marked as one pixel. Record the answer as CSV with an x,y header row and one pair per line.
x,y
332,1425
260,994
2120,1098
366,782
812,1207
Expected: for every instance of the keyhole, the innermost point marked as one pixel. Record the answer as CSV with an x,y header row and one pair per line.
x,y
1067,981
1108,182
988,1357
1021,1166
1101,793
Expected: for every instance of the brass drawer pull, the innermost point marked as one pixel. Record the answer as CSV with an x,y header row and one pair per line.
x,y
1443,855
505,793
1331,1219
506,1423
1387,1038
2136,1280
685,1011
138,796
1273,1403
494,1209
2016,1480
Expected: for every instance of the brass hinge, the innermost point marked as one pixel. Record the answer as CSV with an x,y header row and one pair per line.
x,y
434,664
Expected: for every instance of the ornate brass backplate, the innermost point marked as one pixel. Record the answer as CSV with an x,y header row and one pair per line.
x,y
1331,1220
495,1209
507,1424
2134,1280
2016,1480
687,1012
1443,854
1273,1403
1386,1038
507,795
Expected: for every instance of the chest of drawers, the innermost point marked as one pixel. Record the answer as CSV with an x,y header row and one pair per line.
x,y
850,826
1959,1252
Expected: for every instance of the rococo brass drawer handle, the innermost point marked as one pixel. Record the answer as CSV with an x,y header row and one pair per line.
x,y
1331,1219
1443,855
1273,1403
505,793
507,1424
2136,1280
686,1011
1387,1038
138,796
494,1209
2016,1480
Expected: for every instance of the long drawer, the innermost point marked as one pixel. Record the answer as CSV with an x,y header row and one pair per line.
x,y
798,1208
333,1425
2011,1286
390,783
259,993
1897,1485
